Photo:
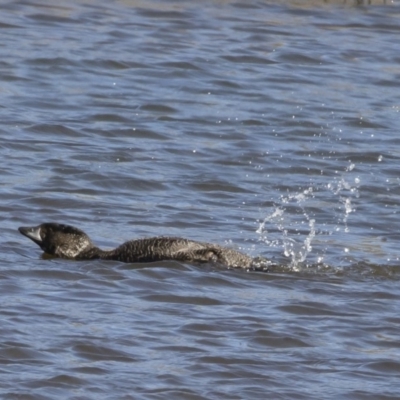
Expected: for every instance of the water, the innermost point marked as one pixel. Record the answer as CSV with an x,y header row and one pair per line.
x,y
271,127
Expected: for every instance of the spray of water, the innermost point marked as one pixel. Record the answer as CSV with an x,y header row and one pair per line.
x,y
294,223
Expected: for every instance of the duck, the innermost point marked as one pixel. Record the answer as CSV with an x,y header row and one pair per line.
x,y
69,242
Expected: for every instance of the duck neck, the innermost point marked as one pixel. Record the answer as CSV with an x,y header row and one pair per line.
x,y
94,253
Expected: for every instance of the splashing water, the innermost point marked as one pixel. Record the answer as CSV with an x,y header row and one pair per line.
x,y
345,190
297,252
295,221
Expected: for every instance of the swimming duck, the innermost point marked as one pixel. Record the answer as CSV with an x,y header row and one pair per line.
x,y
66,241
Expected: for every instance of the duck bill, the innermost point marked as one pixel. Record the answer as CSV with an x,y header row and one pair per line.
x,y
32,233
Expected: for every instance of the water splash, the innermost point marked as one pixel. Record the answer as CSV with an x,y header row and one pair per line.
x,y
345,190
298,251
299,219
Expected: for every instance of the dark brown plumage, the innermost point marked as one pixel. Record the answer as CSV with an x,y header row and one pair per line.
x,y
66,241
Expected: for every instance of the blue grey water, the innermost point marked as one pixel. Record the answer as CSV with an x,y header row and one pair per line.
x,y
268,126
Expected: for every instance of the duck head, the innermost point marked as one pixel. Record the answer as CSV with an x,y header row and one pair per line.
x,y
58,240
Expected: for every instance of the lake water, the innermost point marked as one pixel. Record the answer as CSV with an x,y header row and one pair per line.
x,y
267,126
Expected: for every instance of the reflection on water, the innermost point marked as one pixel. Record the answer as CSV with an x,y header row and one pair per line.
x,y
271,127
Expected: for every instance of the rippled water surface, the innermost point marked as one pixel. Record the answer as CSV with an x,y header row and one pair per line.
x,y
267,126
